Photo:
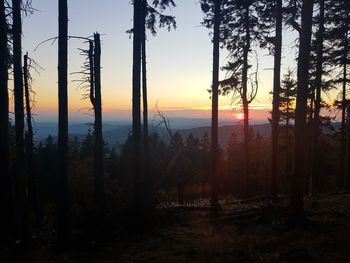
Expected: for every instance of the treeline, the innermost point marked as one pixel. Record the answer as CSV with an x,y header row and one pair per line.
x,y
300,158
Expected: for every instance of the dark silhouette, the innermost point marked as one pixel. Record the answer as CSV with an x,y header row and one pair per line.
x,y
276,97
5,191
136,105
215,109
300,166
99,145
315,125
63,214
29,146
20,174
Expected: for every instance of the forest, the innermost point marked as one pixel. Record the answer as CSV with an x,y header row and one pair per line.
x,y
274,193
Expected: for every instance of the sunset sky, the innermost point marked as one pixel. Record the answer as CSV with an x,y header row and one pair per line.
x,y
179,62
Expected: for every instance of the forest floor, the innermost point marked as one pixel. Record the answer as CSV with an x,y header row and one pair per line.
x,y
254,232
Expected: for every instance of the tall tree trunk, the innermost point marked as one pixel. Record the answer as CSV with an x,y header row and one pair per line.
x,y
300,166
276,99
215,110
98,156
64,225
136,105
6,220
347,168
32,193
313,187
245,101
19,117
146,157
343,115
287,175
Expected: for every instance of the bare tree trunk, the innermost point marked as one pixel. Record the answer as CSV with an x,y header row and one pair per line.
x,y
32,193
245,102
6,220
146,157
343,115
300,166
63,210
215,110
347,168
19,117
136,105
287,176
276,99
98,156
316,121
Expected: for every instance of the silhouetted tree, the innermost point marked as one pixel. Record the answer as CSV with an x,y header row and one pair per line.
x,y
136,104
95,97
276,96
29,146
19,117
315,125
242,28
5,191
64,225
300,166
287,114
338,37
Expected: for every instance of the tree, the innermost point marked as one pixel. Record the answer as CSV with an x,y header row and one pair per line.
x,y
338,36
242,29
29,146
20,174
150,15
96,101
287,113
5,190
213,19
299,165
276,96
136,104
315,125
64,227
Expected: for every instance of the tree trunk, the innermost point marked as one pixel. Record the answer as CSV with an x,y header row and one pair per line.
x,y
64,226
32,193
98,156
136,105
313,187
19,118
6,220
215,110
276,99
245,102
300,166
146,158
343,115
347,168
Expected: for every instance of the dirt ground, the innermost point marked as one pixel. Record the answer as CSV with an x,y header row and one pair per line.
x,y
257,236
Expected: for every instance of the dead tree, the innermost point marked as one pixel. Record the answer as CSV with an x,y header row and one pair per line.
x,y
32,189
20,175
64,225
96,101
6,202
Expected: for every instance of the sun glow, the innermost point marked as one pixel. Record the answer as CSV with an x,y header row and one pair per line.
x,y
239,116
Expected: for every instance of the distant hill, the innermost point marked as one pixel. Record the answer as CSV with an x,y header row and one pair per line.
x,y
225,132
118,133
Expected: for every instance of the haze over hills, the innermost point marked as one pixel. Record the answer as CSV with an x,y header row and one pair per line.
x,y
117,132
